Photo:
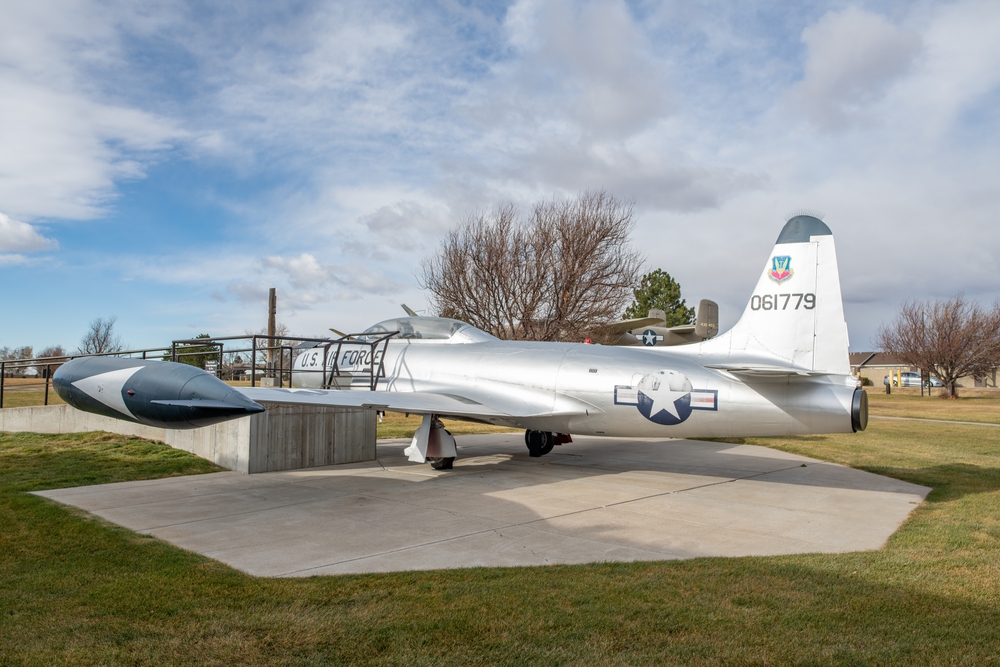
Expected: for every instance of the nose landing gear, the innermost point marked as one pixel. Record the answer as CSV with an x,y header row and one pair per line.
x,y
441,462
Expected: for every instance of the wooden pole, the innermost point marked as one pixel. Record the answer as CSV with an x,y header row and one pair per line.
x,y
272,309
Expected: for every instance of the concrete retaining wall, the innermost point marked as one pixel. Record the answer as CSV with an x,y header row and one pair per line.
x,y
284,437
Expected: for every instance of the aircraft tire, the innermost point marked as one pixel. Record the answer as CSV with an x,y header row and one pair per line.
x,y
444,463
539,443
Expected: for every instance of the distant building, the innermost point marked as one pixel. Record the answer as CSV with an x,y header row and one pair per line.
x,y
876,366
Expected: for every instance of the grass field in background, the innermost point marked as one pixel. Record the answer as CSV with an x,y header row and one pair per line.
x,y
23,396
396,425
75,590
971,408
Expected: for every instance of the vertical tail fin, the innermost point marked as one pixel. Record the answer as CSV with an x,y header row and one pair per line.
x,y
707,323
796,312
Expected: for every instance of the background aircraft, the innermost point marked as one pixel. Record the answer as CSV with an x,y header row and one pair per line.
x,y
653,331
782,369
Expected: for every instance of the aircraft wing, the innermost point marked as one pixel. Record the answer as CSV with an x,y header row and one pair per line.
x,y
621,326
763,370
441,403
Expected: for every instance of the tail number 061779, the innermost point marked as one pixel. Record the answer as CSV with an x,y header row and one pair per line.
x,y
783,301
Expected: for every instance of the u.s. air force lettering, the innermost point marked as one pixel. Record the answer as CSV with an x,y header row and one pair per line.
x,y
666,397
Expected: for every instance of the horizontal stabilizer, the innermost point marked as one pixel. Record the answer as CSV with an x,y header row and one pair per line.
x,y
682,329
621,326
764,370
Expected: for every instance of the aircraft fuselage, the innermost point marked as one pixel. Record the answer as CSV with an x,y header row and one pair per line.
x,y
598,390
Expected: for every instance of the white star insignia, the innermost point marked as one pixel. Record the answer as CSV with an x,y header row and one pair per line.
x,y
664,400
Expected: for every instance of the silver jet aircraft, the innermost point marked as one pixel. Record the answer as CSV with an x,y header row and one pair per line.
x,y
782,369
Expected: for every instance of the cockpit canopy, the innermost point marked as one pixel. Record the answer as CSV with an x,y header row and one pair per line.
x,y
430,328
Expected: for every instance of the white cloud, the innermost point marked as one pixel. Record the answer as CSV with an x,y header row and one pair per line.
x,y
342,140
326,81
16,236
314,281
655,181
854,55
66,143
585,101
959,68
586,64
303,281
401,230
14,259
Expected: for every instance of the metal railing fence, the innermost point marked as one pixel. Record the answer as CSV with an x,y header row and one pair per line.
x,y
270,356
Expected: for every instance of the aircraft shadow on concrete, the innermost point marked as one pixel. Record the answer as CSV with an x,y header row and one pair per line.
x,y
686,457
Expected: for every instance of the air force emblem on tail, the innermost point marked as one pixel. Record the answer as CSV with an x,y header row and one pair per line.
x,y
781,269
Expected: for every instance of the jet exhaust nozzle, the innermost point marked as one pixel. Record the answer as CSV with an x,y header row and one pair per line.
x,y
156,393
859,410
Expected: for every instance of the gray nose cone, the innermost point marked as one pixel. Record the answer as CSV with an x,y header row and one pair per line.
x,y
181,396
800,228
155,393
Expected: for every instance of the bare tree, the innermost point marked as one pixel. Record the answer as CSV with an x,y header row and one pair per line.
x,y
101,337
14,354
561,274
52,351
950,338
11,353
56,357
280,330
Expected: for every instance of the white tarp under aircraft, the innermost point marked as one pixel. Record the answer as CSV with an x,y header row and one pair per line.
x,y
782,369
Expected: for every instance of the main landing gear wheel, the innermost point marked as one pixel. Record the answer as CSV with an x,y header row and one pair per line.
x,y
444,463
539,443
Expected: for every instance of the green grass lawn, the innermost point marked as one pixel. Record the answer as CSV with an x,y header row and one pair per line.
x,y
395,425
75,590
29,395
973,409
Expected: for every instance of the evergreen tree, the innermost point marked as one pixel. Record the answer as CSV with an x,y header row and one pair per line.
x,y
195,355
658,290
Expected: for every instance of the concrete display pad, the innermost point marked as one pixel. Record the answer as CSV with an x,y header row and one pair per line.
x,y
597,499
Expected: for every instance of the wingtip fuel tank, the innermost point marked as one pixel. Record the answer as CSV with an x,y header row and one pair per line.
x,y
156,393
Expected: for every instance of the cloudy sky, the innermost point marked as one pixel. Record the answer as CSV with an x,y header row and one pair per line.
x,y
166,163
